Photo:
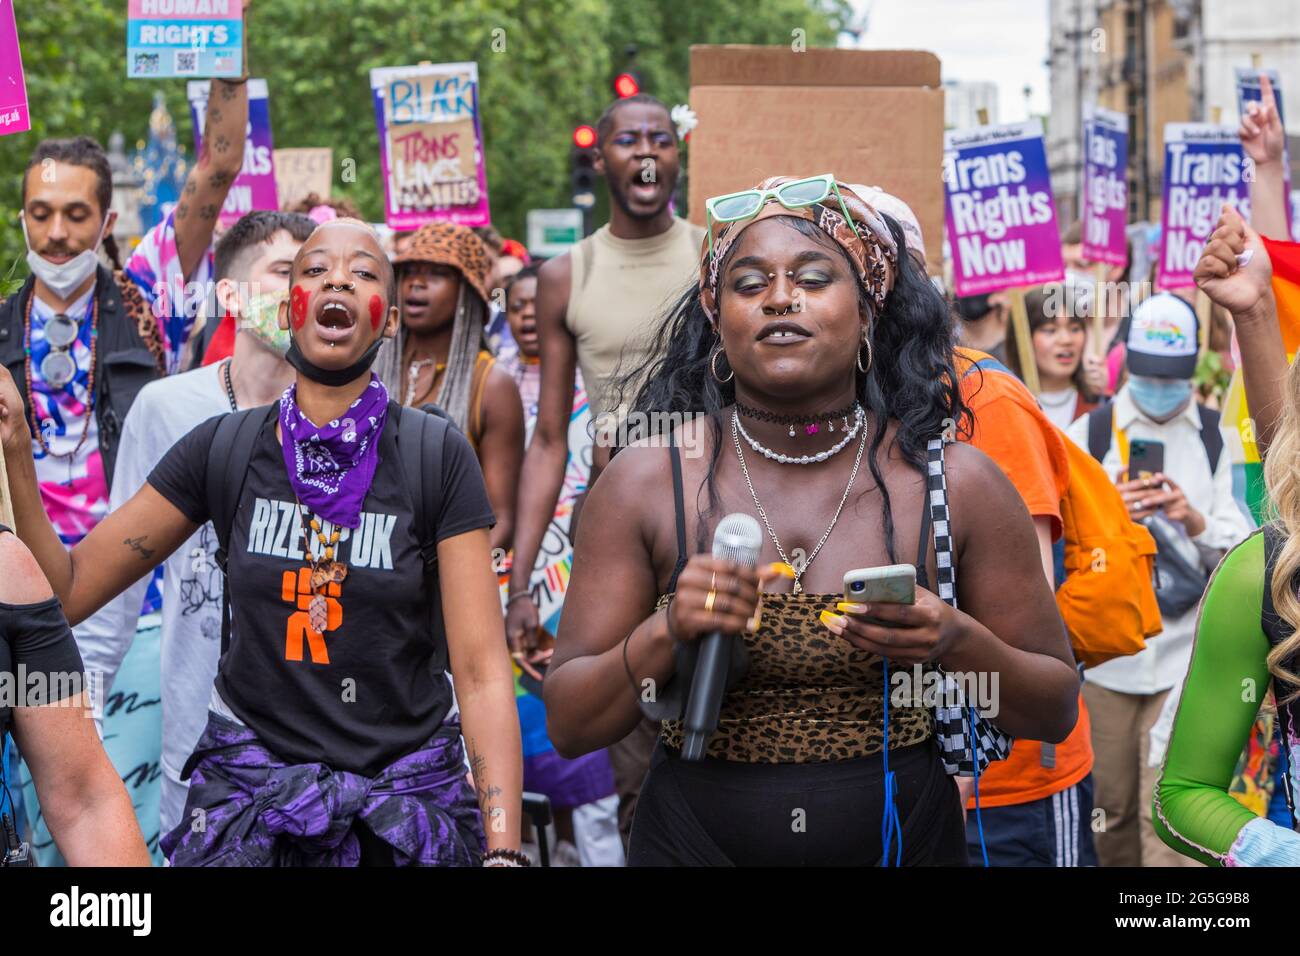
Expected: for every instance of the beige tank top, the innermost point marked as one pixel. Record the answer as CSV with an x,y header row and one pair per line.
x,y
620,291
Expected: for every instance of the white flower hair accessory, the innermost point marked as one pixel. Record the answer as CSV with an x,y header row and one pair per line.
x,y
684,119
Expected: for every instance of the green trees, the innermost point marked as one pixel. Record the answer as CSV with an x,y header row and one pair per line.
x,y
545,66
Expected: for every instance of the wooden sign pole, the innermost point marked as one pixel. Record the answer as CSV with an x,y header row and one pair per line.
x,y
1024,340
1099,307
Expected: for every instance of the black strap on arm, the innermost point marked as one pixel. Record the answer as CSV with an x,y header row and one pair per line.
x,y
421,434
1099,430
1211,437
229,458
679,508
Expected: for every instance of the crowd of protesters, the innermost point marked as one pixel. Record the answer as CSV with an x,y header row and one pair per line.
x,y
195,470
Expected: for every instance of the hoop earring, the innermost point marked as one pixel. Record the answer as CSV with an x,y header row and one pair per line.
x,y
713,367
866,340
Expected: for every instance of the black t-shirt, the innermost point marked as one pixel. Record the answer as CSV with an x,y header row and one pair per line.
x,y
38,657
373,688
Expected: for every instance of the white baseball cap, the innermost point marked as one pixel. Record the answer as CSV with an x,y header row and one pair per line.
x,y
1162,338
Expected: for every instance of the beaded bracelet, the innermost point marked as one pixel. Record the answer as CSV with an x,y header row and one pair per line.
x,y
502,856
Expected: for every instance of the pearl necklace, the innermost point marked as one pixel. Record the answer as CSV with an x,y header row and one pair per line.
x,y
859,417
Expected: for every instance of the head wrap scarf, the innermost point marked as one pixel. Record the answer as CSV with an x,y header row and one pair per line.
x,y
872,251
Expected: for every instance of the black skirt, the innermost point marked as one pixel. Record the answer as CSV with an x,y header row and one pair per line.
x,y
724,813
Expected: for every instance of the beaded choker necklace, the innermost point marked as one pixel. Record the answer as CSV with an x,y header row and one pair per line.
x,y
809,423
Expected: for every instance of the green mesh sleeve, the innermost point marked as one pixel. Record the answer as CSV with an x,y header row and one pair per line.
x,y
1226,684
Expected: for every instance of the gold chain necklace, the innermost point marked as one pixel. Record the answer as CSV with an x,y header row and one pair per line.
x,y
798,571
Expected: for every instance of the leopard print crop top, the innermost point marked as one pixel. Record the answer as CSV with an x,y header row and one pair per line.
x,y
808,696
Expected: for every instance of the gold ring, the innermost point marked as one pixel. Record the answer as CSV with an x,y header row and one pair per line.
x,y
709,599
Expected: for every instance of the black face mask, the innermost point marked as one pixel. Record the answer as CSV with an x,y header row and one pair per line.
x,y
332,378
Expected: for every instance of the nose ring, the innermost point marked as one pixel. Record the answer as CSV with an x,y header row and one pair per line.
x,y
340,288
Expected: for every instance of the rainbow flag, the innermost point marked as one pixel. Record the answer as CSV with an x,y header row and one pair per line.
x,y
1238,429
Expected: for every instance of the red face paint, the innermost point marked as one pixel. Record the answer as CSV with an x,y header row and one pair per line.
x,y
376,311
298,299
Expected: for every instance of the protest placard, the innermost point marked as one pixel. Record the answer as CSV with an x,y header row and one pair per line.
x,y
1000,214
1105,187
301,172
1249,90
14,117
430,144
1203,170
192,38
254,187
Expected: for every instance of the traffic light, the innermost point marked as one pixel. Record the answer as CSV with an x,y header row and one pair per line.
x,y
583,162
626,84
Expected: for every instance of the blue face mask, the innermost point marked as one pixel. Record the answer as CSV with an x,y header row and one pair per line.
x,y
1159,398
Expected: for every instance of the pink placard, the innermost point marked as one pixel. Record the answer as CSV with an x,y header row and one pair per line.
x,y
185,9
14,117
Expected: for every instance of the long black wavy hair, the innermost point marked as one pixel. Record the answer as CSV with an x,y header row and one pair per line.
x,y
911,379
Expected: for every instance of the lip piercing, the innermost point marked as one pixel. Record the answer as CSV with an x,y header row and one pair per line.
x,y
340,288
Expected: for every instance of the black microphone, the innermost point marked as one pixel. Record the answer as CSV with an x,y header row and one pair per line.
x,y
738,538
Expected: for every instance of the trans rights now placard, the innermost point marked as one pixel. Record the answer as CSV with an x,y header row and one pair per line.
x,y
1105,187
1000,214
1204,168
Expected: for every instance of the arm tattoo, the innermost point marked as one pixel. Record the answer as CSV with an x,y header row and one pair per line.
x,y
137,545
191,187
220,180
485,792
208,212
215,115
227,91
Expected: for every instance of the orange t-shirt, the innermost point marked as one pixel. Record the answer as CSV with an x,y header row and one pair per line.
x,y
1011,429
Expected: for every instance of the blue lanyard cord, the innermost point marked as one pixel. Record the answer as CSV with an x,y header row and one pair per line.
x,y
979,821
6,799
889,822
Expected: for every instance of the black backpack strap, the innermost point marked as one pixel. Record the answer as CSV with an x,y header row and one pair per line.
x,y
228,461
1211,437
1100,421
421,433
679,511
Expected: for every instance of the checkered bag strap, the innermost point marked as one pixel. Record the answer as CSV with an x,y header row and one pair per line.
x,y
952,719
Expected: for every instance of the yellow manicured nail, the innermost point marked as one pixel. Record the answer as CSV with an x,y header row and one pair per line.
x,y
834,621
781,568
851,607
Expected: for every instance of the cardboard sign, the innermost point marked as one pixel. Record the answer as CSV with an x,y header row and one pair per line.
x,y
1105,187
430,144
876,119
1249,91
301,172
14,117
254,187
194,38
1000,213
1203,169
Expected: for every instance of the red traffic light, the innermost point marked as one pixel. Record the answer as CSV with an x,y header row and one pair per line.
x,y
584,137
625,85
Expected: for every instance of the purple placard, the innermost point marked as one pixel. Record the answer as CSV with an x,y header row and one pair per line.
x,y
430,144
254,187
14,117
999,210
1105,187
1204,168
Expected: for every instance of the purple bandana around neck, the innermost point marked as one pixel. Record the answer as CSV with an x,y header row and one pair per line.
x,y
331,467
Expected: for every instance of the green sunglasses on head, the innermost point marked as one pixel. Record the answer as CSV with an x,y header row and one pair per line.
x,y
736,207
